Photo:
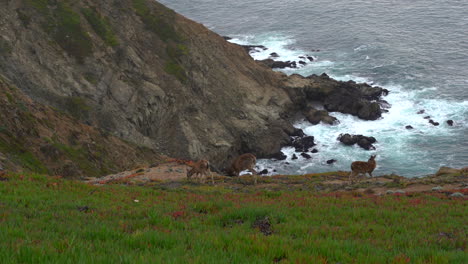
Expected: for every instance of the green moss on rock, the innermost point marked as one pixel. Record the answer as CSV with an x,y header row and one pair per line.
x,y
101,26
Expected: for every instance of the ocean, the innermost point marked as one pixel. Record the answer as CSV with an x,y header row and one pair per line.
x,y
418,50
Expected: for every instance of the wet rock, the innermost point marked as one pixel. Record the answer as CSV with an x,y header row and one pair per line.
x,y
303,144
310,58
363,141
420,112
297,132
278,64
263,172
314,151
274,55
227,38
437,188
427,117
279,156
305,155
450,122
253,48
433,122
366,143
331,161
294,157
408,127
315,116
302,62
457,194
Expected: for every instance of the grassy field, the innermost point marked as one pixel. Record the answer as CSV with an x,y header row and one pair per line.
x,y
51,220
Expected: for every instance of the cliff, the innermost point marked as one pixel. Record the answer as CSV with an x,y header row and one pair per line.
x,y
144,73
38,138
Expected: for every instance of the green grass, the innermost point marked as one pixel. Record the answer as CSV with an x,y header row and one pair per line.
x,y
101,26
158,21
18,153
50,220
77,107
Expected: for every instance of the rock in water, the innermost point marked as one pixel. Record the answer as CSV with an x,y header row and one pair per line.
x,y
408,127
331,161
450,122
303,144
305,155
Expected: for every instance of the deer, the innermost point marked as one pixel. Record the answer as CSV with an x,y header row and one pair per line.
x,y
364,167
201,168
245,161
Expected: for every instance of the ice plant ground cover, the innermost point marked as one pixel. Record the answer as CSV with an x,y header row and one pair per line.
x,y
47,219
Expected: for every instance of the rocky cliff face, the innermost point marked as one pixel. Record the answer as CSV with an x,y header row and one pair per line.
x,y
37,138
144,73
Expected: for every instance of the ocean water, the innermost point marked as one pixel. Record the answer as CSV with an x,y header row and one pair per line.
x,y
416,49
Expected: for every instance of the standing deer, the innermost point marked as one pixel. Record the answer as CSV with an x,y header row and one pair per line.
x,y
202,168
364,167
245,161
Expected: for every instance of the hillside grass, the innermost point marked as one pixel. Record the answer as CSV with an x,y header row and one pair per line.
x,y
50,220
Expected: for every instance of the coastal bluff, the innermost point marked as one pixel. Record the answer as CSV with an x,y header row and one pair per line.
x,y
139,71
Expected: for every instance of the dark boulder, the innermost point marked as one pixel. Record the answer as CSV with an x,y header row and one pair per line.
x,y
427,117
274,55
314,151
302,62
420,112
305,155
253,48
279,156
331,161
348,139
450,122
278,64
362,141
408,127
310,58
303,144
263,172
227,38
366,143
433,122
315,116
297,132
294,157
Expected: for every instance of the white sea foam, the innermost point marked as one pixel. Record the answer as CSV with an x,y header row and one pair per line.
x,y
399,150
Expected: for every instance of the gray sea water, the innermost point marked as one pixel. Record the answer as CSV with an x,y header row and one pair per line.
x,y
417,49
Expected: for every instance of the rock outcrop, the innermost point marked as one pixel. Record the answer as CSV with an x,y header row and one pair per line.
x,y
315,116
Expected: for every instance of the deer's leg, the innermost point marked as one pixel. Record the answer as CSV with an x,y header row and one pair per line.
x,y
254,172
211,174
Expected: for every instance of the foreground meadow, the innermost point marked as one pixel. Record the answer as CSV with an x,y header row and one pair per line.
x,y
51,220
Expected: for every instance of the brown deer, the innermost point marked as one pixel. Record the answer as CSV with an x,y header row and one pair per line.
x,y
201,168
364,167
245,161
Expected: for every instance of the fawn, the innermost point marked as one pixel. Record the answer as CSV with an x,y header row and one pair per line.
x,y
243,162
202,168
364,167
